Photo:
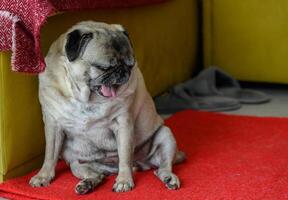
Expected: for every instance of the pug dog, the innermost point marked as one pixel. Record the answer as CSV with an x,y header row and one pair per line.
x,y
98,114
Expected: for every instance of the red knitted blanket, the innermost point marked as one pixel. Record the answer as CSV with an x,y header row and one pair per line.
x,y
21,21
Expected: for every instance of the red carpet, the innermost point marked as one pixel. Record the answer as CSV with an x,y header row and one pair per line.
x,y
228,158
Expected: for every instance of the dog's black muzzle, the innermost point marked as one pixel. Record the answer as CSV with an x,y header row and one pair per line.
x,y
115,76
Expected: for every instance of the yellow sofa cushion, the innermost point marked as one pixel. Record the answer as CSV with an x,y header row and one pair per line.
x,y
247,38
164,38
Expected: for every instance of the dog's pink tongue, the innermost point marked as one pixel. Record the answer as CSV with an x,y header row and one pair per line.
x,y
108,91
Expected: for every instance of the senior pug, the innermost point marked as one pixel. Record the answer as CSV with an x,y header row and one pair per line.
x,y
98,114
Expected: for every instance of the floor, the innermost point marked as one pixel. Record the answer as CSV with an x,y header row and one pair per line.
x,y
277,107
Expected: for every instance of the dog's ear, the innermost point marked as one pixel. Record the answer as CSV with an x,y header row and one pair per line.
x,y
76,43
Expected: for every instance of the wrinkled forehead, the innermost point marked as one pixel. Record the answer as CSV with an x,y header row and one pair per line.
x,y
110,39
98,41
113,35
109,47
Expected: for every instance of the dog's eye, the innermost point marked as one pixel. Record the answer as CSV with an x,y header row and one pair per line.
x,y
100,67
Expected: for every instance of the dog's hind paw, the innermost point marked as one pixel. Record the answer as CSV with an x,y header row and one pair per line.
x,y
170,180
85,186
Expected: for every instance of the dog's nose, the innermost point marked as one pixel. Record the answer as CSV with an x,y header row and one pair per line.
x,y
101,67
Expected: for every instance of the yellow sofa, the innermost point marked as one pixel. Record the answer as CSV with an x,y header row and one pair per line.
x,y
165,42
247,38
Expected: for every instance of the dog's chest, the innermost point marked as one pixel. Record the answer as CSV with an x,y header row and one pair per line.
x,y
90,118
92,134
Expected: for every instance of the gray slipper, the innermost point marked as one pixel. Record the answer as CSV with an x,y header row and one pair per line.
x,y
176,100
215,82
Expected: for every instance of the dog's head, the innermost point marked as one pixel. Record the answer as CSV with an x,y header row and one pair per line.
x,y
100,55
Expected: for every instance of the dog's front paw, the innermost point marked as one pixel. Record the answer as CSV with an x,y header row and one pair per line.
x,y
41,180
123,185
